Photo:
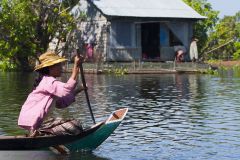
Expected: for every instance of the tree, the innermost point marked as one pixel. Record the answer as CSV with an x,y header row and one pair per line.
x,y
27,27
226,35
202,28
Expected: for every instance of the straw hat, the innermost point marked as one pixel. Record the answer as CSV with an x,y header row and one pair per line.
x,y
48,59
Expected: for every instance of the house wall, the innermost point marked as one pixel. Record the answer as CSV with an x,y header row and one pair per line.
x,y
93,30
123,45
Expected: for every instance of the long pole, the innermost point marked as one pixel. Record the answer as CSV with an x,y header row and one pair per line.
x,y
86,93
220,46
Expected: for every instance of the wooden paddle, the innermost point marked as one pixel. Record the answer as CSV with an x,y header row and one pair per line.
x,y
85,90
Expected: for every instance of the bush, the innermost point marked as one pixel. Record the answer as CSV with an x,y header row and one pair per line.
x,y
236,55
7,66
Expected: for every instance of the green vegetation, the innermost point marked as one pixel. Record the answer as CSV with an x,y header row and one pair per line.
x,y
7,65
236,54
211,71
223,71
117,71
27,27
226,35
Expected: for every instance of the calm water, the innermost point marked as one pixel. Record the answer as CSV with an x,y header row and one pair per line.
x,y
171,117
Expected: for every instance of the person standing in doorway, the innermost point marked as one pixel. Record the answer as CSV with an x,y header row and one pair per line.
x,y
194,50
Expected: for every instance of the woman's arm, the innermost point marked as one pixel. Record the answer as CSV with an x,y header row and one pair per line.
x,y
64,92
66,99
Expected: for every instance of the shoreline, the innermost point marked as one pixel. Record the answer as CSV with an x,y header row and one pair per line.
x,y
222,63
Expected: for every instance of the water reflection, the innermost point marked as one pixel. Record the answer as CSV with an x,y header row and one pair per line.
x,y
46,155
170,116
14,88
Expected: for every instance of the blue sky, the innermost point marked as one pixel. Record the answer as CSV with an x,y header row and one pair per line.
x,y
226,7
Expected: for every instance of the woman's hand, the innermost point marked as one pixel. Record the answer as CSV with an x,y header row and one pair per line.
x,y
78,59
80,89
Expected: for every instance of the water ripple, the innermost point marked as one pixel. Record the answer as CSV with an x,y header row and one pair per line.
x,y
170,116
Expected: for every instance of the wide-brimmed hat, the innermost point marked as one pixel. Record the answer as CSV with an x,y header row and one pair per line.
x,y
48,59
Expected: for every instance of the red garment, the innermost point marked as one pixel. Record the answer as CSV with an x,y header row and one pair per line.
x,y
90,51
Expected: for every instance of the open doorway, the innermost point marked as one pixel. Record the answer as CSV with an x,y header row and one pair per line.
x,y
150,41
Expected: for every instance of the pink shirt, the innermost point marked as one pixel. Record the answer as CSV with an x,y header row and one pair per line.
x,y
39,101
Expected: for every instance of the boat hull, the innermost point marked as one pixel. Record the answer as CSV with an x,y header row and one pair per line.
x,y
93,140
88,140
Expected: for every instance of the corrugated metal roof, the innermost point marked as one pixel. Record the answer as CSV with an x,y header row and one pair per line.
x,y
147,8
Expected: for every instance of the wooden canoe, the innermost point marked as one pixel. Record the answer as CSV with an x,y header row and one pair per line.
x,y
89,139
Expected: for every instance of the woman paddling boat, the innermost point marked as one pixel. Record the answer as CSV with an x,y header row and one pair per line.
x,y
61,136
48,93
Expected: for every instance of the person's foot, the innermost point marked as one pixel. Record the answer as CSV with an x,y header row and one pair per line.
x,y
34,133
60,149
